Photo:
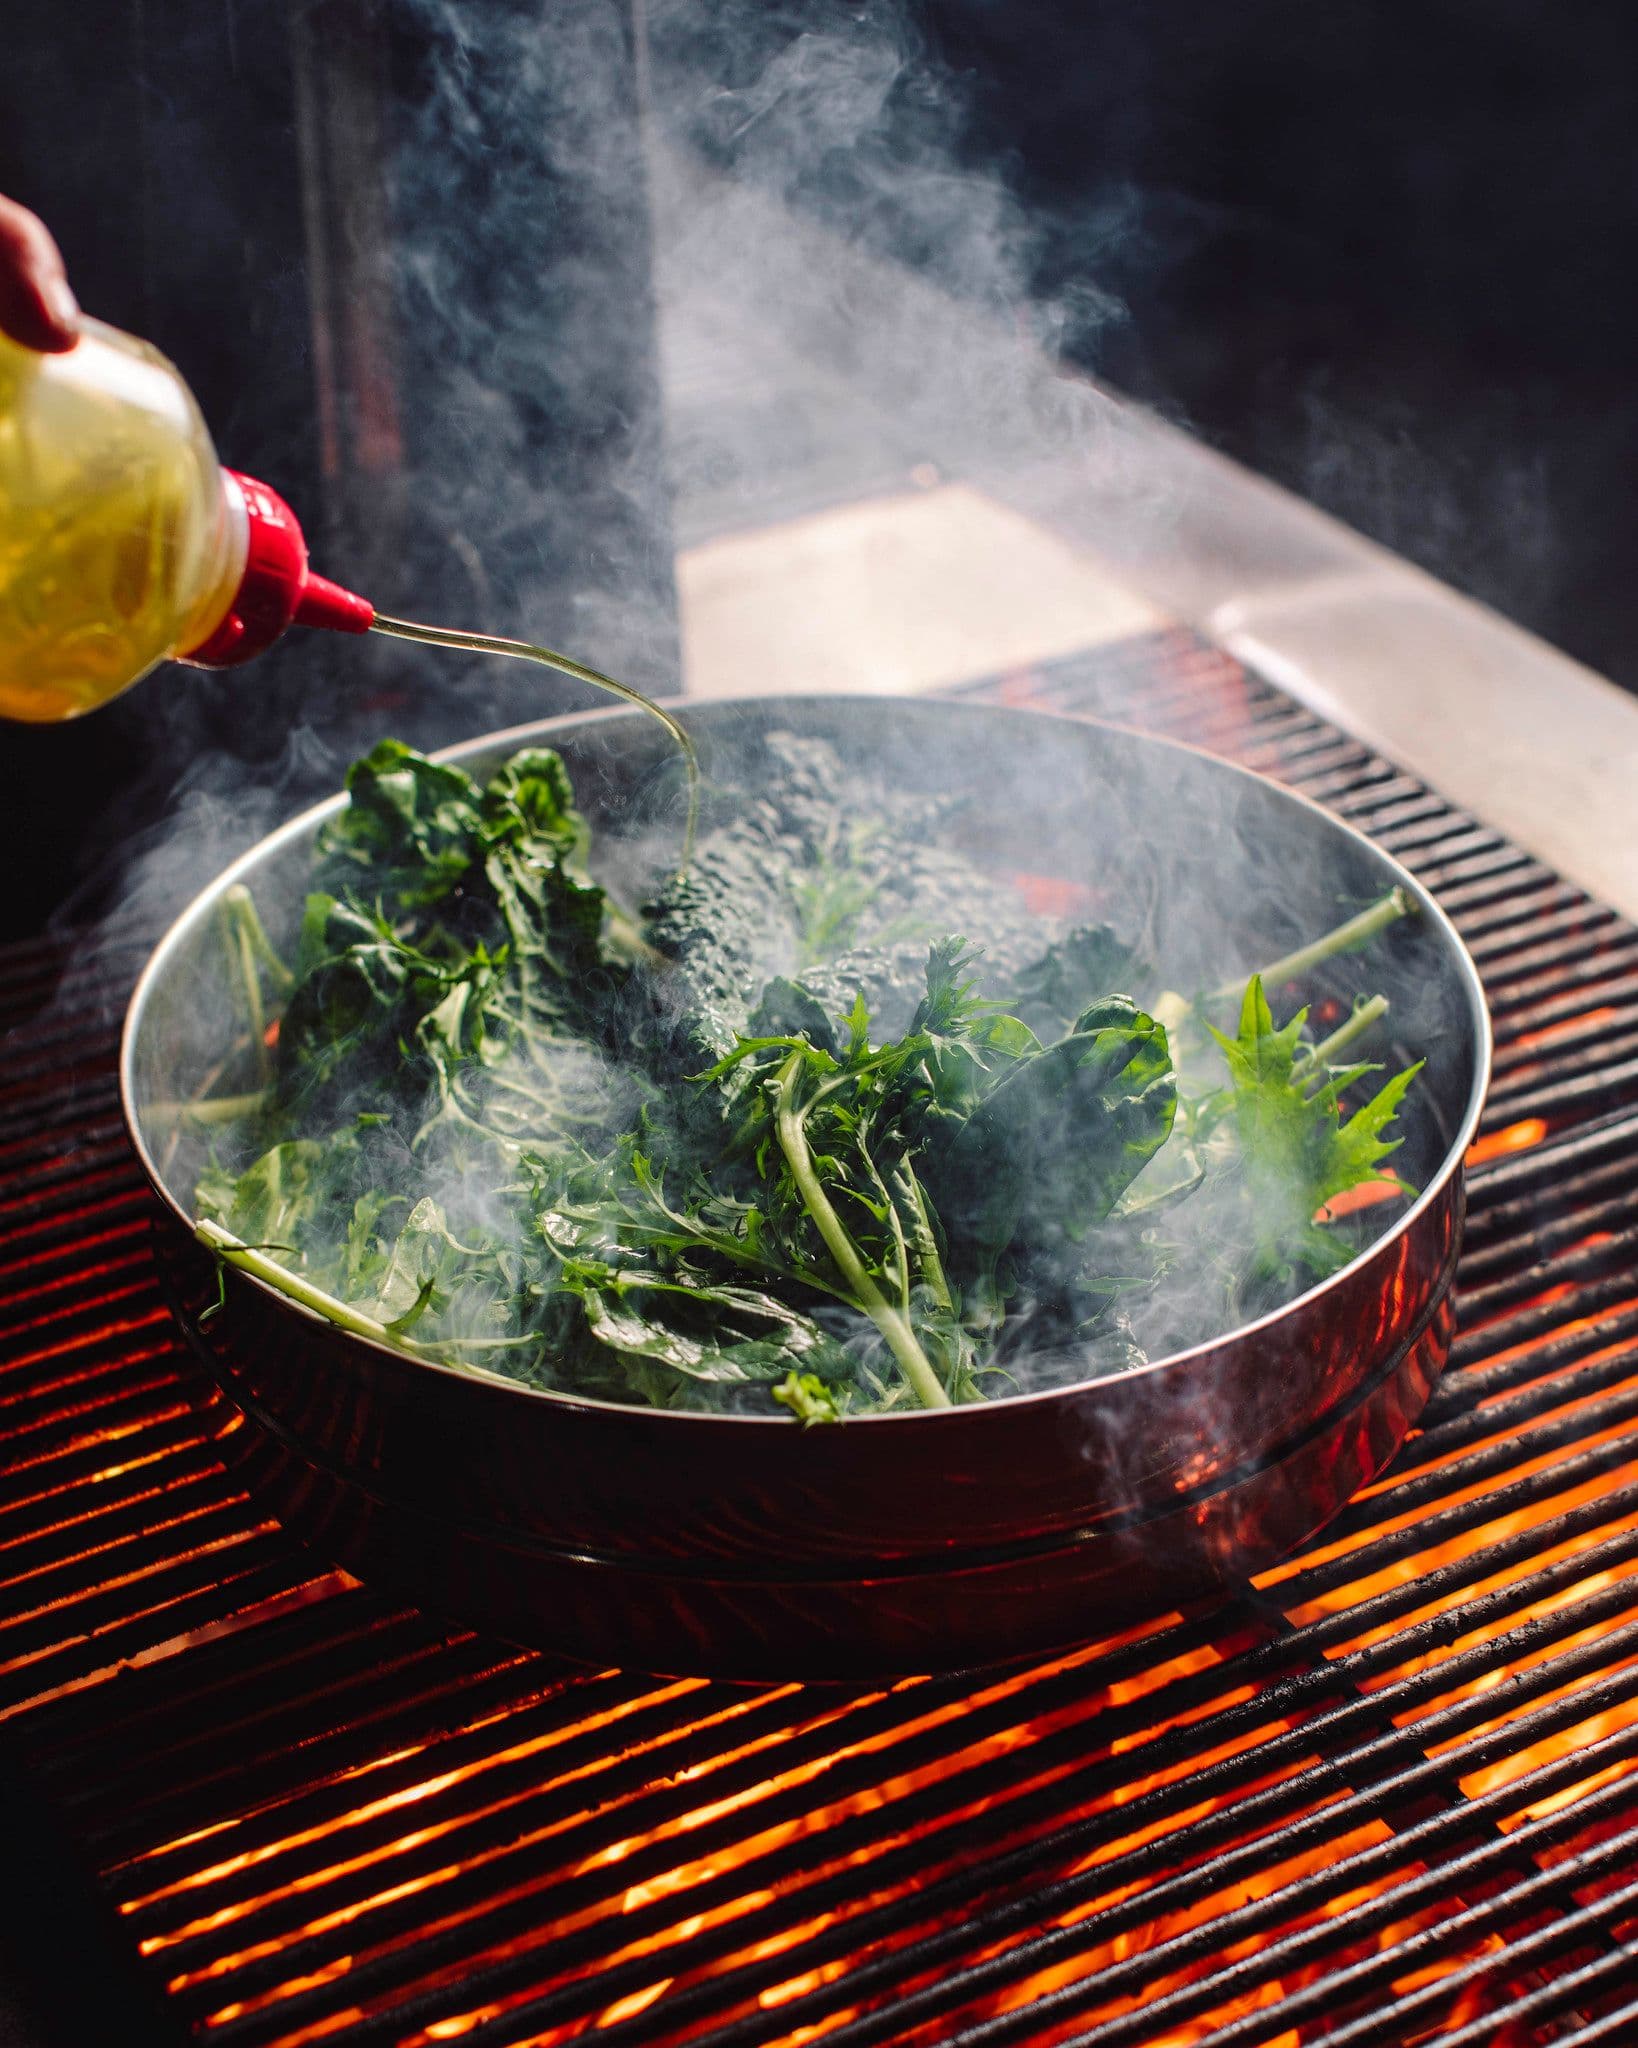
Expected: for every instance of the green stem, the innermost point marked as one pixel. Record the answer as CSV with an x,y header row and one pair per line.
x,y
242,905
226,1246
1362,1017
239,943
897,1223
894,1326
236,1253
486,1344
921,1229
247,937
1345,938
547,1104
219,1109
526,650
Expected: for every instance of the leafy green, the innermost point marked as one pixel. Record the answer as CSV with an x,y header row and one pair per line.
x,y
1296,1151
789,1145
409,834
1049,1150
1073,973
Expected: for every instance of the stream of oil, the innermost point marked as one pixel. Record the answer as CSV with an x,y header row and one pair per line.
x,y
524,650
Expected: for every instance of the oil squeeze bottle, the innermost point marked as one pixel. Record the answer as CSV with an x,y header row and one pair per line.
x,y
125,543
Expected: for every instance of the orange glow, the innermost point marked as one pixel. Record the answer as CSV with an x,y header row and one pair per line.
x,y
1587,1021
95,1439
85,1340
401,1823
1050,896
664,1957
79,1493
369,1809
670,1950
1517,1137
1370,1194
1576,1326
220,1546
98,1266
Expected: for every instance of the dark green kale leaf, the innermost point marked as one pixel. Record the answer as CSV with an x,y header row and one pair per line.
x,y
1051,1148
726,928
1074,972
825,877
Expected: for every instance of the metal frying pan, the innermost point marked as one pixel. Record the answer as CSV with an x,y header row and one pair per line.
x,y
744,1546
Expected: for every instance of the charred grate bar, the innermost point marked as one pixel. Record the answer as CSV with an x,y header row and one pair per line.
x,y
1387,1795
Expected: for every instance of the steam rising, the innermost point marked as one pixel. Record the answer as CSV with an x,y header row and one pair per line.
x,y
1014,797
534,225
779,189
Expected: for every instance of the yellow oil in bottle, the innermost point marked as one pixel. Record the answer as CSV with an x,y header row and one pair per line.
x,y
117,545
121,547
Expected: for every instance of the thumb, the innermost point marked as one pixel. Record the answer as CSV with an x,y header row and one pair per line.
x,y
36,306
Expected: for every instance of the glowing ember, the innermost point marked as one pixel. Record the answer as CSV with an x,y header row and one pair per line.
x,y
1519,1137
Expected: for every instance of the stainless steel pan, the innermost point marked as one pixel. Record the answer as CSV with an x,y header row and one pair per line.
x,y
749,1547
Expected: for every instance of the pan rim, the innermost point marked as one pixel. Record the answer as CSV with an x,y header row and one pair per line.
x,y
538,731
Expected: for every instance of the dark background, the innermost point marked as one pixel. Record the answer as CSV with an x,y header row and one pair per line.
x,y
1385,254
370,234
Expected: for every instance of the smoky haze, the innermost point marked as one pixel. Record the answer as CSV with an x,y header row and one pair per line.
x,y
603,257
1207,872
577,286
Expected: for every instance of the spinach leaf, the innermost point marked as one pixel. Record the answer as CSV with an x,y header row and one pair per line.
x,y
409,835
1075,971
1052,1147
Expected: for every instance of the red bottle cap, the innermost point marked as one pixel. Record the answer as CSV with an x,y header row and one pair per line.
x,y
277,588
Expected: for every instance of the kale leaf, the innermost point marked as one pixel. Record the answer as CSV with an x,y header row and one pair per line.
x,y
792,1145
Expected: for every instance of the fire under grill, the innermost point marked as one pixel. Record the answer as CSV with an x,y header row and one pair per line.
x,y
1384,1794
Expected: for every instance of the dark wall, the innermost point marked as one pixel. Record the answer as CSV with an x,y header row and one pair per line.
x,y
1387,254
399,250
157,141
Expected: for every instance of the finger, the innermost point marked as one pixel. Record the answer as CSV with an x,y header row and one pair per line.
x,y
37,307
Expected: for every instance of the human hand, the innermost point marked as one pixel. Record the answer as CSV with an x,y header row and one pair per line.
x,y
36,306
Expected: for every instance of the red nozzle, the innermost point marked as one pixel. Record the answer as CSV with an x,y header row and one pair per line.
x,y
277,589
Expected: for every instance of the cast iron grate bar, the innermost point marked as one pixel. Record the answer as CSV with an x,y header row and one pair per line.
x,y
1412,1776
1459,1823
320,1817
218,1901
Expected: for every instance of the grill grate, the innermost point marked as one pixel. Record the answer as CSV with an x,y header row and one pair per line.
x,y
1386,1795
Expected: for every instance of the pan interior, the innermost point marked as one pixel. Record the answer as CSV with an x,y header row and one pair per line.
x,y
1209,869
